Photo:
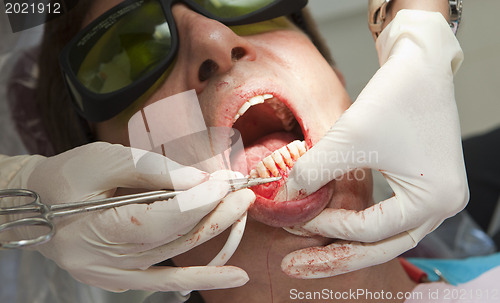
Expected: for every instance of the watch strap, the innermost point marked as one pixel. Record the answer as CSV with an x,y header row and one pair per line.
x,y
456,7
377,14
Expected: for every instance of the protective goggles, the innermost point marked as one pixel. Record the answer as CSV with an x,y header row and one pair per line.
x,y
120,55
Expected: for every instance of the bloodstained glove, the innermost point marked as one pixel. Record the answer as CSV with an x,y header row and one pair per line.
x,y
408,116
115,249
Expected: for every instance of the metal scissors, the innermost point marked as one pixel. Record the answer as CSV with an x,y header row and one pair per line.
x,y
44,214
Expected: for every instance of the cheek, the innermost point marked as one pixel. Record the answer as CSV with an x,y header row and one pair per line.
x,y
303,59
319,82
113,132
168,88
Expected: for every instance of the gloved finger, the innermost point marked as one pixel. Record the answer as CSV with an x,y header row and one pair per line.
x,y
134,168
229,210
351,145
105,168
316,168
232,242
160,222
372,129
380,221
383,220
343,256
176,278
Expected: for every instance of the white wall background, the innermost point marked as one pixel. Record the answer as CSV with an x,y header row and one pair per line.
x,y
344,25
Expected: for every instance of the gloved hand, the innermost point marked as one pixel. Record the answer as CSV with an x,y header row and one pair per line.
x,y
115,249
408,116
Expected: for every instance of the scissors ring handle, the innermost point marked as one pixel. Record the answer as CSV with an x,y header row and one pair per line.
x,y
18,193
24,223
11,193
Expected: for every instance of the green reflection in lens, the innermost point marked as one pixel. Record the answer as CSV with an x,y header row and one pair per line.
x,y
131,47
262,27
123,117
233,8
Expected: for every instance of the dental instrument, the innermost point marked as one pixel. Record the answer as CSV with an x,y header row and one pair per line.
x,y
46,213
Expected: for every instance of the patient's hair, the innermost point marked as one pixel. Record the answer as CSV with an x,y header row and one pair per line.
x,y
65,129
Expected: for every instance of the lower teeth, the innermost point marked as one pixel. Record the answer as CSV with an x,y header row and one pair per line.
x,y
280,159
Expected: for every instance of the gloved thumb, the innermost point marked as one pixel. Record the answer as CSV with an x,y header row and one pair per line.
x,y
92,169
330,158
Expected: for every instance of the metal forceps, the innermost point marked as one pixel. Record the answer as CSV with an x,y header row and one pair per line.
x,y
44,214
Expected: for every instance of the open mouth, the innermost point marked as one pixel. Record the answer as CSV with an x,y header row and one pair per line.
x,y
274,140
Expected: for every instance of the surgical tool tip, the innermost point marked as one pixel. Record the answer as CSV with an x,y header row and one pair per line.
x,y
260,181
274,179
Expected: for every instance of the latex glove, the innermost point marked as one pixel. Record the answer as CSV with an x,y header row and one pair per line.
x,y
408,116
115,249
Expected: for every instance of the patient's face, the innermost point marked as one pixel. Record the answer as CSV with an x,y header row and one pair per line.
x,y
274,87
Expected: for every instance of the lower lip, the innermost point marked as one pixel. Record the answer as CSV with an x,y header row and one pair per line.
x,y
289,213
278,213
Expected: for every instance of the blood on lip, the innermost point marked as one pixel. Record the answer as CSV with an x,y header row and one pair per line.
x,y
270,211
267,209
290,213
270,190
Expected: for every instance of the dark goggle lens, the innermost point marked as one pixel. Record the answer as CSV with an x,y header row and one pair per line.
x,y
135,44
135,39
233,8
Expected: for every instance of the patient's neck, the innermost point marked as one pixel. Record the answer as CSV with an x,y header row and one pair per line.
x,y
260,255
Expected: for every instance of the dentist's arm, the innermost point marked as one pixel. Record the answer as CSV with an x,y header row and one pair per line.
x,y
115,249
408,116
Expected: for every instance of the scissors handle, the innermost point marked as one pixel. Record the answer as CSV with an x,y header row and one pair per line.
x,y
47,212
34,206
36,221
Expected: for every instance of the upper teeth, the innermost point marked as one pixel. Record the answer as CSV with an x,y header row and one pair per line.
x,y
254,101
282,112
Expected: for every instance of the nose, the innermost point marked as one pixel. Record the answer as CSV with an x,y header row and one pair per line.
x,y
207,47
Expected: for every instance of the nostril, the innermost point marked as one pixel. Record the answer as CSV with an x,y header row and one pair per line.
x,y
237,53
207,69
